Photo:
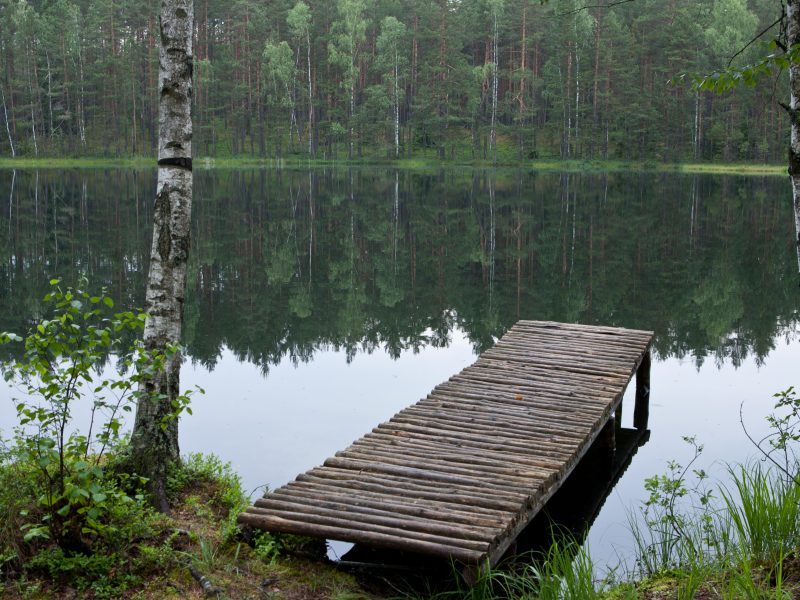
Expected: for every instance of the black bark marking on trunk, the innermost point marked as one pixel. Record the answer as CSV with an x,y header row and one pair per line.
x,y
794,163
176,161
164,232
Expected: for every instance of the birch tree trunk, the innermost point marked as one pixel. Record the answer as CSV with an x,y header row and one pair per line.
x,y
396,107
793,38
310,96
155,446
495,60
8,128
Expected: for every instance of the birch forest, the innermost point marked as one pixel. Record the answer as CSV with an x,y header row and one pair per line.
x,y
498,80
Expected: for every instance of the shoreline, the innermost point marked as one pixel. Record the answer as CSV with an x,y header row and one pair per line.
x,y
583,166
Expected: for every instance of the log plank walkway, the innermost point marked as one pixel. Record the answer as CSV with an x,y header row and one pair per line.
x,y
460,473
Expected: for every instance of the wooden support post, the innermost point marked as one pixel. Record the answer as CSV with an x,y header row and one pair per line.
x,y
641,411
618,416
609,437
472,573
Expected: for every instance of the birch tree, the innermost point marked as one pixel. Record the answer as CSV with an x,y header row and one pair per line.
x,y
279,68
154,442
344,49
392,62
495,10
8,126
299,21
793,39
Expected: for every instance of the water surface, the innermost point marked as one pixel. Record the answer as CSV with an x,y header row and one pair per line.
x,y
321,302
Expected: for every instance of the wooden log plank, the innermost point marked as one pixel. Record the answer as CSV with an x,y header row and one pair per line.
x,y
364,516
329,495
598,382
523,479
519,400
595,336
556,363
518,422
540,396
513,408
424,474
567,350
466,453
354,522
412,430
476,380
500,449
411,481
451,462
604,349
468,501
597,330
552,441
396,540
463,421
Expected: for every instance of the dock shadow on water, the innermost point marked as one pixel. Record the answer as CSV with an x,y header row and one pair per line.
x,y
568,515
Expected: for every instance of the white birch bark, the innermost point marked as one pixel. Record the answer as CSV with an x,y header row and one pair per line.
x,y
81,100
33,116
49,92
310,96
696,136
154,446
352,112
577,90
495,59
8,128
396,107
793,38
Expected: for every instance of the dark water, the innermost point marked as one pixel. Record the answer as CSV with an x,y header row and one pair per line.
x,y
322,302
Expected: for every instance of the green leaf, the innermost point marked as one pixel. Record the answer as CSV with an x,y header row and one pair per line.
x,y
108,302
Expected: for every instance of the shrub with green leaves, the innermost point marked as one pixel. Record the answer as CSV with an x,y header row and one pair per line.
x,y
63,365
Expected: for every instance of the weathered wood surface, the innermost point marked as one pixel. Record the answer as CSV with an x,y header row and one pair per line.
x,y
460,473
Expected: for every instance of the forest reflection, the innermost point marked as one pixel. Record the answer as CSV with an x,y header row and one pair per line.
x,y
286,262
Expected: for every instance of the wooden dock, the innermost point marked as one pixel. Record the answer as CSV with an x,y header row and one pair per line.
x,y
460,473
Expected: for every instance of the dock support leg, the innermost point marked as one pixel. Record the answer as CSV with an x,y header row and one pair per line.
x,y
608,435
472,573
641,411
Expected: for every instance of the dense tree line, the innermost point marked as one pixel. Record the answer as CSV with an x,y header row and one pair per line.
x,y
463,79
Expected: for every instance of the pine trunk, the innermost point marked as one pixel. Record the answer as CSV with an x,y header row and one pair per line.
x,y
155,435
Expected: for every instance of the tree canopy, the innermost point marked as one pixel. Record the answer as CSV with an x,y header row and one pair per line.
x,y
394,77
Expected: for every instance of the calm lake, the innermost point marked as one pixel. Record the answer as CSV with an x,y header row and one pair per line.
x,y
321,302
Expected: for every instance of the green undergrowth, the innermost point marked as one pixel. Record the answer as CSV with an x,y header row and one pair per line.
x,y
147,555
575,165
